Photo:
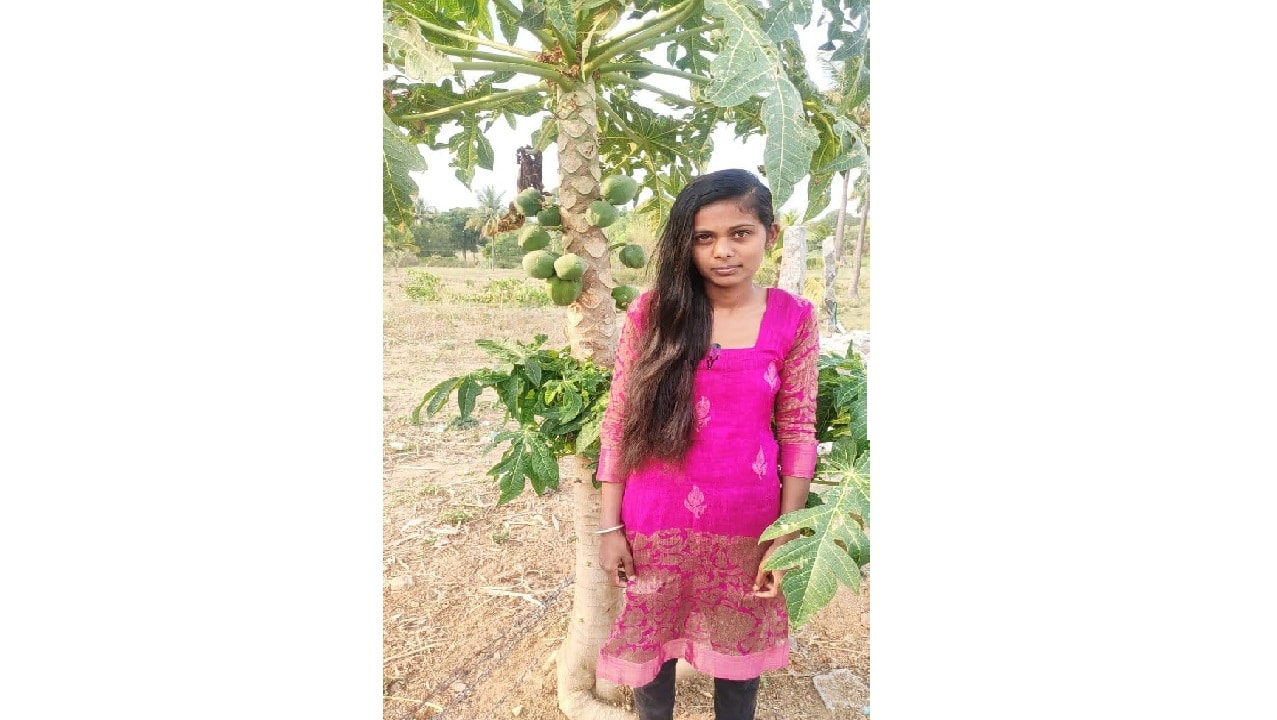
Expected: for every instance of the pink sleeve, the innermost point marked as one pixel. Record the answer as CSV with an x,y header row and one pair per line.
x,y
627,350
796,401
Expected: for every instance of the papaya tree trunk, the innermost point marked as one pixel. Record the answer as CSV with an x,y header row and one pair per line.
x,y
829,256
833,247
841,231
592,330
860,248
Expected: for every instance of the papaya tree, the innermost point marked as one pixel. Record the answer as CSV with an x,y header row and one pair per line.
x,y
849,68
633,88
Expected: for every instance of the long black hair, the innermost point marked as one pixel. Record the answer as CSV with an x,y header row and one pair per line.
x,y
659,419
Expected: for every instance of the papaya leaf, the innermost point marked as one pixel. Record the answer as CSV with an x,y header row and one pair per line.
x,y
857,544
860,419
815,564
860,84
480,18
511,390
746,58
783,15
562,15
571,398
467,392
748,63
550,392
572,404
546,135
793,553
533,17
470,147
532,370
589,434
790,141
512,472
399,158
858,39
831,146
511,485
497,439
842,163
420,60
460,9
528,458
819,193
509,23
793,521
484,153
544,470
435,398
509,353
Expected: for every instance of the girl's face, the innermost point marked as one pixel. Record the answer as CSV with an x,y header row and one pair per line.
x,y
728,243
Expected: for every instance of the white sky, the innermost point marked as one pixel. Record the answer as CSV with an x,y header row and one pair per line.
x,y
441,189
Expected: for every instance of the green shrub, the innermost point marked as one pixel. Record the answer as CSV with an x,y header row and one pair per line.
x,y
423,286
511,292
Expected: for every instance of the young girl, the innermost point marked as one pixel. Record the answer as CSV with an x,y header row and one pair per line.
x,y
692,469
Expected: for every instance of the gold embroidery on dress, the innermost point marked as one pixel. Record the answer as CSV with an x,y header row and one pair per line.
x,y
699,587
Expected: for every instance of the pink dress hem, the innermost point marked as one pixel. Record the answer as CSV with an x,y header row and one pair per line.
x,y
701,657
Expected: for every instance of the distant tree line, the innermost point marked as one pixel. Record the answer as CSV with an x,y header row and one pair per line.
x,y
444,234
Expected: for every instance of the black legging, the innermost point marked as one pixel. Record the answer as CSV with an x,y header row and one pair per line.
x,y
733,699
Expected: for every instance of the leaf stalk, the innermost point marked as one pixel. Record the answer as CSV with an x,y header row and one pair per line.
x,y
569,48
538,69
671,97
474,39
654,69
642,37
476,104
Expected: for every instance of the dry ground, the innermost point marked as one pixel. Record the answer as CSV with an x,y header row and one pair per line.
x,y
477,595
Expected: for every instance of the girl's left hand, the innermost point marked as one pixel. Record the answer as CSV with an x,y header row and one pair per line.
x,y
767,582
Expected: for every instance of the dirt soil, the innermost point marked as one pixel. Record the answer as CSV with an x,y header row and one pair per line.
x,y
477,596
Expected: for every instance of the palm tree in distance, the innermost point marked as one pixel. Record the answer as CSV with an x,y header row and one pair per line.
x,y
487,217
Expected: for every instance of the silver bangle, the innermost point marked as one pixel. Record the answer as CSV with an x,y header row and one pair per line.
x,y
604,532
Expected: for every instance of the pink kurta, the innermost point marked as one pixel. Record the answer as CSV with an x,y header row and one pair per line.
x,y
693,530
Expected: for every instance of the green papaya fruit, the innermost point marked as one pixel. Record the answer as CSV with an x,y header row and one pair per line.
x,y
539,264
633,256
533,237
564,292
600,214
550,216
624,295
529,201
618,189
569,267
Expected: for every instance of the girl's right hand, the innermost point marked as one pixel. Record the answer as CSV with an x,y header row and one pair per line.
x,y
615,558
